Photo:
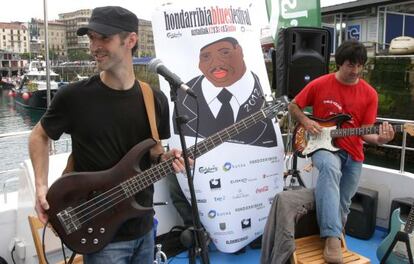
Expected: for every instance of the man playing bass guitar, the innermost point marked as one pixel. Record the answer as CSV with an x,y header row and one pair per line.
x,y
342,92
106,117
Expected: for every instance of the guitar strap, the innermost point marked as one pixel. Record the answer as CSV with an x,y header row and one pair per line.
x,y
155,151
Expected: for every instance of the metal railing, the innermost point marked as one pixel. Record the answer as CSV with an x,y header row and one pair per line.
x,y
403,146
8,177
8,184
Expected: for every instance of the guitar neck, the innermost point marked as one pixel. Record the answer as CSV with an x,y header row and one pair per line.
x,y
409,224
359,131
156,173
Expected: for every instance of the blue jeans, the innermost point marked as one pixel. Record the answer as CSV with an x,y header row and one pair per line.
x,y
140,250
337,183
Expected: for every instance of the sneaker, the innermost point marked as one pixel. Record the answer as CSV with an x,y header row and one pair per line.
x,y
332,252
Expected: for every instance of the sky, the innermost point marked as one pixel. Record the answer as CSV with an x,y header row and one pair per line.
x,y
24,10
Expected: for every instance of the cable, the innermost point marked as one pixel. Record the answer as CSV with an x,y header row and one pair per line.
x,y
63,251
11,253
43,241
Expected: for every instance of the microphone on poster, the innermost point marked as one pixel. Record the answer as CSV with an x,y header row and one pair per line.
x,y
157,66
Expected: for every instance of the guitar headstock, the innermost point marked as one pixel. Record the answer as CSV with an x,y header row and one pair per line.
x,y
275,106
409,128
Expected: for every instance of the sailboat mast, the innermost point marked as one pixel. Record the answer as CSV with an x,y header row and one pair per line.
x,y
47,53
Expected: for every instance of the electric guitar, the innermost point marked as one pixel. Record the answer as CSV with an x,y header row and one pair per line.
x,y
398,246
306,144
87,208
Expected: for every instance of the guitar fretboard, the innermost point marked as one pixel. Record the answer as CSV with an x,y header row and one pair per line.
x,y
156,173
344,132
409,224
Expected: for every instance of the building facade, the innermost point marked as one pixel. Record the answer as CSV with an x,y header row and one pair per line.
x,y
10,64
72,21
56,39
14,37
145,39
373,22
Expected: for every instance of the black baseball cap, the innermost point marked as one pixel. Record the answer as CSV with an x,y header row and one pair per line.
x,y
110,20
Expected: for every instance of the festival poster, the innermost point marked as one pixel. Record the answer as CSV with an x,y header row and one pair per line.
x,y
214,47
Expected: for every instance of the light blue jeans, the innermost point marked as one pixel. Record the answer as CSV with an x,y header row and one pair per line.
x,y
337,183
140,250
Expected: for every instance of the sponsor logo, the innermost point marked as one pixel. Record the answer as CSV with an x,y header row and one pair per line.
x,y
220,198
264,176
246,223
198,200
174,34
222,226
272,159
237,240
228,166
215,183
213,213
249,207
262,218
239,195
262,189
290,13
243,180
206,170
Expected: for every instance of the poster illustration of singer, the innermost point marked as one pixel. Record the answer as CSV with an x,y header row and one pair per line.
x,y
214,47
226,93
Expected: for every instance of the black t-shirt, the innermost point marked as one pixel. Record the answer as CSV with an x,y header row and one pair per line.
x,y
104,125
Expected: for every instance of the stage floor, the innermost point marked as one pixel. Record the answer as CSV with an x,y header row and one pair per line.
x,y
367,248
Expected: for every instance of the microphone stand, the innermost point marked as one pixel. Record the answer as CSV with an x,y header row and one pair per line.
x,y
199,246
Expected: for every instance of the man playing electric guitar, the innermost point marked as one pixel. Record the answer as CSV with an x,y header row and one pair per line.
x,y
342,92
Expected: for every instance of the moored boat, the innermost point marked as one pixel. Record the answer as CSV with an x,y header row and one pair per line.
x,y
32,91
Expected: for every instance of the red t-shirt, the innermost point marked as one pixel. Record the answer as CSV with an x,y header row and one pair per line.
x,y
329,97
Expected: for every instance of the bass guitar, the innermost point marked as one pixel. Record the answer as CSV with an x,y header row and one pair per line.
x,y
398,246
305,144
87,208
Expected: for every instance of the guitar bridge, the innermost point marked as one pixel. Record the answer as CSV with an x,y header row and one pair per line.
x,y
69,222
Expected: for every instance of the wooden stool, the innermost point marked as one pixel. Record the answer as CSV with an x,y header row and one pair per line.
x,y
310,250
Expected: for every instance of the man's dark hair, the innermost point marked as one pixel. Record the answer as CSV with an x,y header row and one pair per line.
x,y
351,50
231,40
123,36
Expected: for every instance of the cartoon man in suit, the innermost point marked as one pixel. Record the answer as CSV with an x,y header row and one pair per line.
x,y
227,92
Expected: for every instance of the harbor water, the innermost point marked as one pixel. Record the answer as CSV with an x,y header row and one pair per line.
x,y
15,119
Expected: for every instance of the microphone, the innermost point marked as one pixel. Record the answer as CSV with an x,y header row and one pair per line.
x,y
156,65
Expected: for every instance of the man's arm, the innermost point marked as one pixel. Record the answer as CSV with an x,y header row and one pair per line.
x,y
385,135
39,155
311,126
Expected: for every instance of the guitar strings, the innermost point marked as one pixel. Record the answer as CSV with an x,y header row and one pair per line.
x,y
138,181
147,177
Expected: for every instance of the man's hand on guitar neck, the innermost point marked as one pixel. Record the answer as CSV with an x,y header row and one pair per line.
x,y
385,134
178,161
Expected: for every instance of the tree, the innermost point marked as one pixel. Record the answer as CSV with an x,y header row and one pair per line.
x,y
25,56
78,55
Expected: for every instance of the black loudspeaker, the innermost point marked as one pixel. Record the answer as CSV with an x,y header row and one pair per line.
x,y
405,206
363,213
303,54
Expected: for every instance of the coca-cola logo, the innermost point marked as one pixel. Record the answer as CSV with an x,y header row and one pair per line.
x,y
262,189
